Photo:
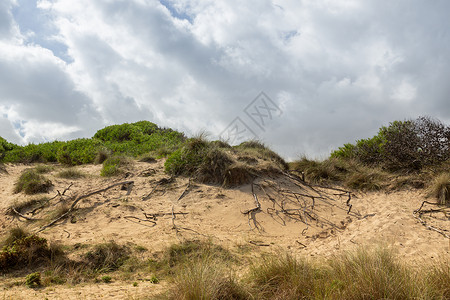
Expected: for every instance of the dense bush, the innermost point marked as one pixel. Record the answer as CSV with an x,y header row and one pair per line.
x,y
403,145
113,166
31,182
78,152
22,250
45,152
127,139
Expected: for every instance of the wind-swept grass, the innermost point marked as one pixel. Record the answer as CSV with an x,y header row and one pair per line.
x,y
440,189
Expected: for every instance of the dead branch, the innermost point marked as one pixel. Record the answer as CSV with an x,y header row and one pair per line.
x,y
78,198
14,210
149,195
423,203
140,220
153,216
260,244
301,244
258,205
129,188
418,215
173,219
185,190
440,231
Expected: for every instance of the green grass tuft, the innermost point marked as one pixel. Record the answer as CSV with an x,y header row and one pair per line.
x,y
30,182
71,173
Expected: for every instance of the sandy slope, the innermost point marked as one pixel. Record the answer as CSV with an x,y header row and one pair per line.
x,y
217,213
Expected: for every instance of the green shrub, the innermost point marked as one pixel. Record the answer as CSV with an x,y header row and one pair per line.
x,y
403,145
284,277
45,152
119,133
102,155
21,251
377,273
188,158
106,279
32,183
205,278
78,152
113,166
33,280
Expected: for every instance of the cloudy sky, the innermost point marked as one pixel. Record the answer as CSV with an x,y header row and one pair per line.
x,y
331,71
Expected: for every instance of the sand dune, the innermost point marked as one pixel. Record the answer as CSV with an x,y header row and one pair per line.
x,y
152,215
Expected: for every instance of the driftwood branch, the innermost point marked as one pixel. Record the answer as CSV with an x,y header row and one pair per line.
x,y
150,194
78,198
418,215
140,220
185,190
14,210
258,205
154,216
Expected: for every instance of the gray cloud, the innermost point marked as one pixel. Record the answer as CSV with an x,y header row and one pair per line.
x,y
338,69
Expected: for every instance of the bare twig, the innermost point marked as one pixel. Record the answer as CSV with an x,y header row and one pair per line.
x,y
78,198
185,190
22,215
258,205
173,219
260,244
148,196
141,220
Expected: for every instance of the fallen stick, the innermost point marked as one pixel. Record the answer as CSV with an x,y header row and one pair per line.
x,y
22,215
173,219
154,215
260,244
140,220
431,227
185,190
148,196
258,205
78,198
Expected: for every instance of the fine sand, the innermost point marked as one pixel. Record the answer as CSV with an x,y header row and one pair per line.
x,y
289,220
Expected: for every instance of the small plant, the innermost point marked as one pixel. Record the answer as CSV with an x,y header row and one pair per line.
x,y
70,173
112,166
154,279
33,280
106,279
106,257
135,284
31,182
20,250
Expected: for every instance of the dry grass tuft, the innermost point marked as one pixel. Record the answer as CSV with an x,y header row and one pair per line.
x,y
71,173
106,257
283,277
238,174
440,189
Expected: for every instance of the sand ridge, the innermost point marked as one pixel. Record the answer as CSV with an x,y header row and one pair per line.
x,y
286,220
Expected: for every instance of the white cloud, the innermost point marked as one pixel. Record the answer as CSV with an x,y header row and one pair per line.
x,y
334,67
